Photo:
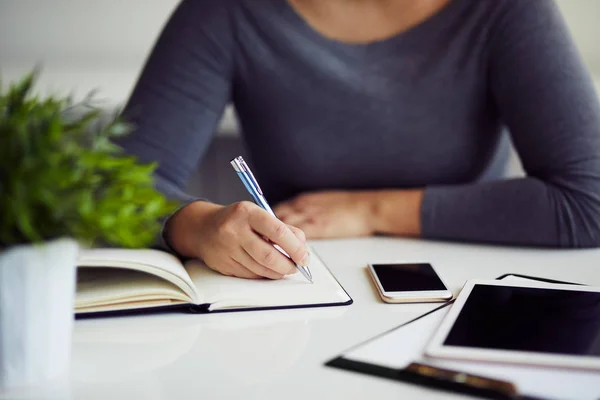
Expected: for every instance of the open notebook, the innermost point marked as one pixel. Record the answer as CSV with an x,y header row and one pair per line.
x,y
110,280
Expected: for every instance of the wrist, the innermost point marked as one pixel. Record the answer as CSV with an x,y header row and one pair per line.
x,y
396,212
369,203
182,229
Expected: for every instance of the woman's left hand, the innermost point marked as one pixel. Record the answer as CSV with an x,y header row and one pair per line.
x,y
330,214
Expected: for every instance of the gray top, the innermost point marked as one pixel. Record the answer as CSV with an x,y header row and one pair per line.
x,y
424,108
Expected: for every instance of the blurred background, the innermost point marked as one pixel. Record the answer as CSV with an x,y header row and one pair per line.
x,y
102,44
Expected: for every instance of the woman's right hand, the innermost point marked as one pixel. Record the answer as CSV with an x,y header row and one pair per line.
x,y
234,239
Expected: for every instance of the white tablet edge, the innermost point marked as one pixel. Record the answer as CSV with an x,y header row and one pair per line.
x,y
437,349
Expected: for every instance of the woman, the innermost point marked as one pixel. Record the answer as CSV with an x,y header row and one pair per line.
x,y
372,116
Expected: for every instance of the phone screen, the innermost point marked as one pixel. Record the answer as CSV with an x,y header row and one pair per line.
x,y
408,277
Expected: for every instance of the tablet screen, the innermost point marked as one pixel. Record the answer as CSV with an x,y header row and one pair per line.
x,y
530,320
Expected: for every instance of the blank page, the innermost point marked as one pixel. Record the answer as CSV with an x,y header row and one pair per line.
x,y
108,289
155,262
224,292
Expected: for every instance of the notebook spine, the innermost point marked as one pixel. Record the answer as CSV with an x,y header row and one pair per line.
x,y
198,308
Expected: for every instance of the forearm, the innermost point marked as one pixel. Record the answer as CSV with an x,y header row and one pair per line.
x,y
527,211
396,212
180,96
547,102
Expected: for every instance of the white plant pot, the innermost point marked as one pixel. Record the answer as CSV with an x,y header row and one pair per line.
x,y
37,293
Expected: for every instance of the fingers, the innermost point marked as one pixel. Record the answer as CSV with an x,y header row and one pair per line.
x,y
279,233
265,260
241,239
313,230
298,232
283,210
253,268
303,204
298,210
240,271
296,219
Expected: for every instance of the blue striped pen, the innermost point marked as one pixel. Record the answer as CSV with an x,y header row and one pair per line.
x,y
246,176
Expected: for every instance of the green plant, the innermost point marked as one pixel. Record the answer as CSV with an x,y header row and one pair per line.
x,y
62,176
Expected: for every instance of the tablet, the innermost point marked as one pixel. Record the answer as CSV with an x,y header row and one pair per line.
x,y
522,322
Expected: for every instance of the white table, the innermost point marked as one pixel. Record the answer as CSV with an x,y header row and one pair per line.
x,y
280,354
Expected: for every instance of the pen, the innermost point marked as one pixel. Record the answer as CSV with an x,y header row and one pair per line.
x,y
463,382
247,178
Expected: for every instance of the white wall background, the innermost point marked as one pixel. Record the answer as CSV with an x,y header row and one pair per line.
x,y
82,44
88,44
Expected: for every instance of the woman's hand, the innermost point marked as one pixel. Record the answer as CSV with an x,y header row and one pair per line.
x,y
236,240
332,214
351,214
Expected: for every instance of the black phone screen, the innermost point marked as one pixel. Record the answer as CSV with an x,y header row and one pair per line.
x,y
408,277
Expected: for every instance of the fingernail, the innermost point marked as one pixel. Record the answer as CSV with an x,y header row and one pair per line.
x,y
306,260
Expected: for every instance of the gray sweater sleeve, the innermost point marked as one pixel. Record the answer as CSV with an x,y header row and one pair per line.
x,y
181,94
546,98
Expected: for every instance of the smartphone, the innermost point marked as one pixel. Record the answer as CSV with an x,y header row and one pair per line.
x,y
409,283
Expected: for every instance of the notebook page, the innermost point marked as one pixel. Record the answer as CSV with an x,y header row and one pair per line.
x,y
224,292
107,289
155,262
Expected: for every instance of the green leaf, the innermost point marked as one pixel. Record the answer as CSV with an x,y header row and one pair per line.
x,y
61,175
